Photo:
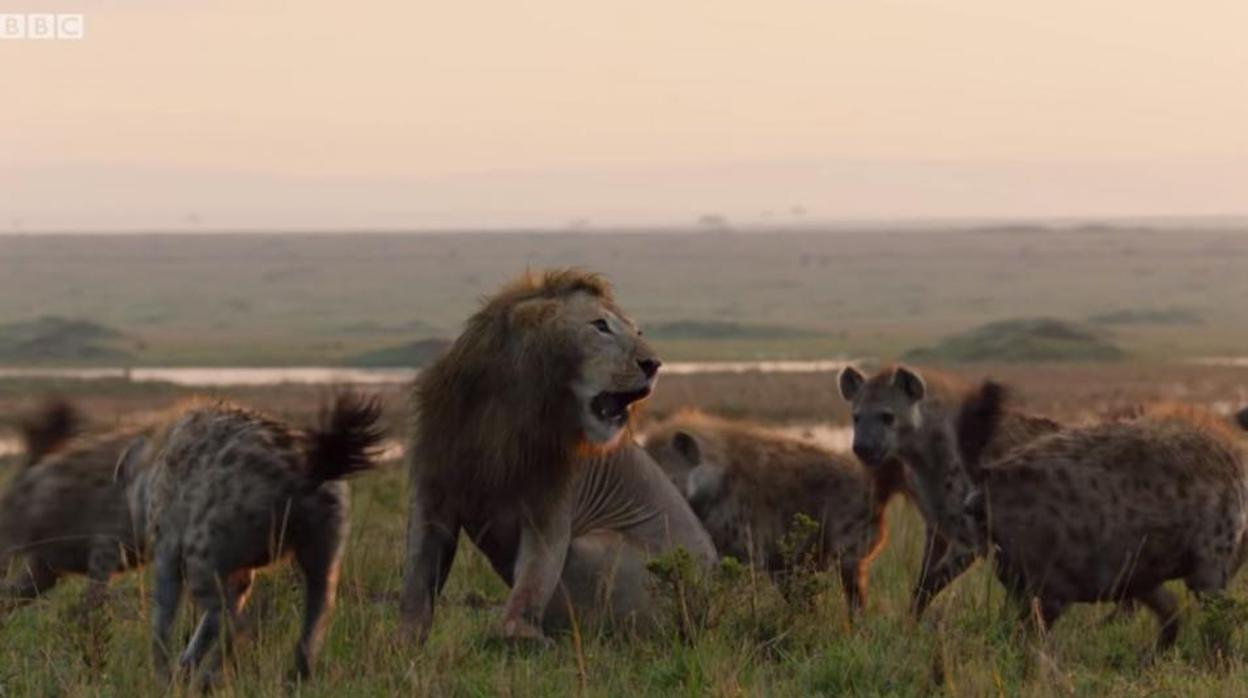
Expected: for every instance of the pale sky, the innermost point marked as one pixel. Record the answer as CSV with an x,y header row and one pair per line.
x,y
229,114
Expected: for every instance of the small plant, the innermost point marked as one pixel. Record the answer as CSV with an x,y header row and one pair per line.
x,y
803,579
88,629
697,599
1220,616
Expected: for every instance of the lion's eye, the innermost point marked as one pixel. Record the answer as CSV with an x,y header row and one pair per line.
x,y
602,326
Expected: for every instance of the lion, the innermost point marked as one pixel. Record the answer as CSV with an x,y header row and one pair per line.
x,y
748,484
521,438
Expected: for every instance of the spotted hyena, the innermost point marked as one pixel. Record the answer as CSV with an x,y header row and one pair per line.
x,y
901,416
233,490
65,512
748,484
1111,511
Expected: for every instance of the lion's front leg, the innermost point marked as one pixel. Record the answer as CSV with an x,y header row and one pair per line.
x,y
543,550
432,538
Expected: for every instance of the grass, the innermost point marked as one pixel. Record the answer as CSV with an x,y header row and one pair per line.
x,y
968,645
757,644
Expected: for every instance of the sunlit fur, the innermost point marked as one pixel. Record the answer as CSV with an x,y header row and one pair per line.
x,y
501,415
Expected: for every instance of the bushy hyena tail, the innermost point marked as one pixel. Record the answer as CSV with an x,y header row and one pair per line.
x,y
49,430
347,438
978,421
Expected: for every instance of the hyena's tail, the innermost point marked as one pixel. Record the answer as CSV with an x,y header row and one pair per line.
x,y
347,438
978,422
49,430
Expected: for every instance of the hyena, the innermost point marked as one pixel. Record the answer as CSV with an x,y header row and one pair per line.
x,y
233,490
900,416
1111,511
748,484
65,512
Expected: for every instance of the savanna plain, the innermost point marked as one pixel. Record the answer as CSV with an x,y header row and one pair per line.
x,y
1164,299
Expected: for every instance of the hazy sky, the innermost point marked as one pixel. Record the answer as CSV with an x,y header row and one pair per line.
x,y
315,114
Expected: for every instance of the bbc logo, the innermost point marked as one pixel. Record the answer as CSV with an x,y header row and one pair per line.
x,y
42,26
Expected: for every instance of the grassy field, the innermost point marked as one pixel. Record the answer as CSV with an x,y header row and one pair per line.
x,y
300,299
755,643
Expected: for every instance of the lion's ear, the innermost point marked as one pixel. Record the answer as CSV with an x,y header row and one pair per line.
x,y
533,312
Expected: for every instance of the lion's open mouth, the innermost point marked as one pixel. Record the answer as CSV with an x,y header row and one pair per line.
x,y
612,408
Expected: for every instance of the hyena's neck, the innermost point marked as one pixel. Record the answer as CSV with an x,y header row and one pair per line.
x,y
940,481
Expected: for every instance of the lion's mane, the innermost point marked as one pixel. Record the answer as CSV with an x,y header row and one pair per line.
x,y
495,416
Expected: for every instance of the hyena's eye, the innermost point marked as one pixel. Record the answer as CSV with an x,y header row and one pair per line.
x,y
602,326
857,418
887,418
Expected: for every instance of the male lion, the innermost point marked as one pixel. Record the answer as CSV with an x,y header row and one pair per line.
x,y
521,439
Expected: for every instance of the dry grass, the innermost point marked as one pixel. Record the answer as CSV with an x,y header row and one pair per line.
x,y
968,645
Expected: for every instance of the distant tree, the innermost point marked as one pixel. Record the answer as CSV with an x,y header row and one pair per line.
x,y
713,221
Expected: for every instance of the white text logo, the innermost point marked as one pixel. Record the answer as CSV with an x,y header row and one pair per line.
x,y
37,26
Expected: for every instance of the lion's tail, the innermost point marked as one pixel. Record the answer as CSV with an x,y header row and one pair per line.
x,y
49,430
347,438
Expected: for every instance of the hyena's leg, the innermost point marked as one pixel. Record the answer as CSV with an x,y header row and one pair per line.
x,y
167,593
934,549
432,539
104,560
1037,611
319,554
1208,582
854,581
31,581
1163,605
861,558
241,583
233,597
950,567
215,597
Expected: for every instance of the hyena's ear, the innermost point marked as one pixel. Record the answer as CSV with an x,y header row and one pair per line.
x,y
851,382
704,484
910,383
687,446
128,463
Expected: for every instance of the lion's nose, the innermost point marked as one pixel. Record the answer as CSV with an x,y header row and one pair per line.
x,y
649,366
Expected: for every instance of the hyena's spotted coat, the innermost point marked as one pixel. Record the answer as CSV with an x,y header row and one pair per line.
x,y
234,490
1111,511
899,415
65,512
747,484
